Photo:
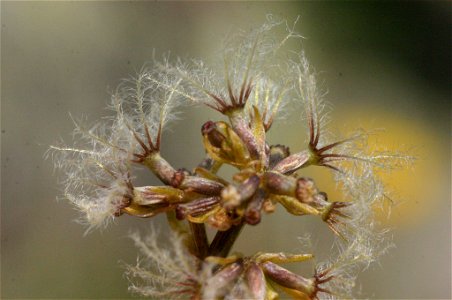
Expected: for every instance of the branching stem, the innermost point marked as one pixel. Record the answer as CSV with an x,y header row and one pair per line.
x,y
199,235
224,240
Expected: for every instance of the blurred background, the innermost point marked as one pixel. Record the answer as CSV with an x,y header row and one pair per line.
x,y
385,65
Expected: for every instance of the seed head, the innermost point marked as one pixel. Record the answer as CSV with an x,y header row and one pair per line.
x,y
258,78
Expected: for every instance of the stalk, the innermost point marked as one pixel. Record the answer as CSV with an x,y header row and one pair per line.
x,y
224,240
199,236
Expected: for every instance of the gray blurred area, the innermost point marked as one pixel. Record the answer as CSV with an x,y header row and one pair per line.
x,y
386,65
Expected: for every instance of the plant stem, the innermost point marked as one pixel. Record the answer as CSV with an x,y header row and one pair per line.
x,y
200,239
224,240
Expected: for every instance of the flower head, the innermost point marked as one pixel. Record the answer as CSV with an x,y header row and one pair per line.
x,y
258,78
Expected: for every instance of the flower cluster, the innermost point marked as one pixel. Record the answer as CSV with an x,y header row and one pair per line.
x,y
260,77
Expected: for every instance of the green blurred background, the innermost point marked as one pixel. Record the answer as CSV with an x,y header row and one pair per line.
x,y
385,65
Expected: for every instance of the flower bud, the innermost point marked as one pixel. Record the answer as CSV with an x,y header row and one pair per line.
x,y
224,145
148,195
280,184
205,173
294,206
303,188
254,208
281,257
201,185
215,137
256,281
160,167
242,128
292,163
235,196
148,201
288,279
219,284
146,211
196,207
258,132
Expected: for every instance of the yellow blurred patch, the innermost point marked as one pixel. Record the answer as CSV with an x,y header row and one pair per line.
x,y
414,191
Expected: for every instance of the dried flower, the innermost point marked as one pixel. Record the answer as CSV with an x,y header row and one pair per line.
x,y
260,76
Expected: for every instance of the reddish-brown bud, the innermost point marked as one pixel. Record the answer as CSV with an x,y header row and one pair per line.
x,y
224,145
243,130
236,196
215,137
256,281
249,187
292,163
254,208
280,184
288,279
150,195
182,180
196,207
160,167
220,283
